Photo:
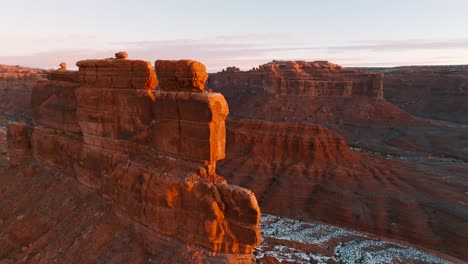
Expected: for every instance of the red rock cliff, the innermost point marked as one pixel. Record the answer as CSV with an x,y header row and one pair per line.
x,y
15,90
439,92
318,78
310,165
152,153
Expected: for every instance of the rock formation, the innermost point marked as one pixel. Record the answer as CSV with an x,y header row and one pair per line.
x,y
63,66
306,171
438,92
15,91
277,147
150,199
182,75
151,153
3,146
19,148
121,55
300,78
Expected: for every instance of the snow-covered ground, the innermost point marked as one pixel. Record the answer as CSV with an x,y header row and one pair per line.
x,y
293,241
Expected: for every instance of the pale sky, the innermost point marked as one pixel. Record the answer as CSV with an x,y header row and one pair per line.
x,y
237,32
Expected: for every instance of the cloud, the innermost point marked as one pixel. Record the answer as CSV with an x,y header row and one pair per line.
x,y
391,46
246,51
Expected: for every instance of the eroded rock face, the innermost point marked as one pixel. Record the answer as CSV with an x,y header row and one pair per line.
x,y
51,217
152,153
15,90
3,146
182,75
271,153
117,74
306,171
19,148
439,92
318,78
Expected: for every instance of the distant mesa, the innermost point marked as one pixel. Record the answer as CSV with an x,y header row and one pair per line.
x,y
232,69
302,78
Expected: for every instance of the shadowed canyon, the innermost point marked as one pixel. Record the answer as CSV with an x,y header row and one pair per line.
x,y
290,162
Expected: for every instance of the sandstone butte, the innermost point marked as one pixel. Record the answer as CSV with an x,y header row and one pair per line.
x,y
151,154
300,78
288,132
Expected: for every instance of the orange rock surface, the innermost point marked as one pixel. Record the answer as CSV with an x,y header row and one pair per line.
x,y
161,194
182,75
151,155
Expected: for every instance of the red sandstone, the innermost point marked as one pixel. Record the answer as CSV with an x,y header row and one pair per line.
x,y
114,146
182,75
402,196
152,154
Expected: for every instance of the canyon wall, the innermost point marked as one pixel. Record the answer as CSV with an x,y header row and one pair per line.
x,y
278,147
300,78
438,92
151,153
307,172
15,90
3,145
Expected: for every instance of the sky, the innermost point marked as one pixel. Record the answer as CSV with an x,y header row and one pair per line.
x,y
237,32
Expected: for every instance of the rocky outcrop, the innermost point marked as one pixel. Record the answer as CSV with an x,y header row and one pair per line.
x,y
438,92
300,78
15,90
182,75
152,153
19,143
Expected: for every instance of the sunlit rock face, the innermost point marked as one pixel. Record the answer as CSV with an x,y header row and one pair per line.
x,y
151,153
182,75
301,78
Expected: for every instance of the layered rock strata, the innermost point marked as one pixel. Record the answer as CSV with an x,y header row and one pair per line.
x,y
306,171
15,90
151,153
182,75
19,143
278,149
438,92
301,78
